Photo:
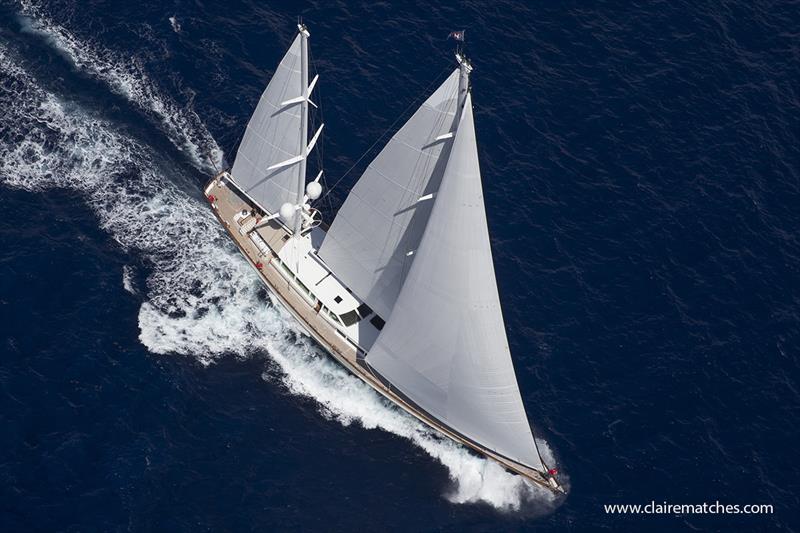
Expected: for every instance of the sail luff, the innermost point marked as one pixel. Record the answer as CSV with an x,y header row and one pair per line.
x,y
444,346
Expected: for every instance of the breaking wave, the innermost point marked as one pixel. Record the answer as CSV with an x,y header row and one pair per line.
x,y
201,298
127,279
126,77
176,26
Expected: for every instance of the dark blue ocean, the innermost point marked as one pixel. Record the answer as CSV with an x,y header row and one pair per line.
x,y
642,181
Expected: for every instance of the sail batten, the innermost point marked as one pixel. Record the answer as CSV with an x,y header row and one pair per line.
x,y
445,346
382,219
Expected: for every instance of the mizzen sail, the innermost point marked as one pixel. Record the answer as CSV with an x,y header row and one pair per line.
x,y
373,237
267,163
445,346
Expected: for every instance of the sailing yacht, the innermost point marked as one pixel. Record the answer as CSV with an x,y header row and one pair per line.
x,y
400,289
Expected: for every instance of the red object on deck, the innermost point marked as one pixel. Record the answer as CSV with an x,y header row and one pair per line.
x,y
212,198
552,471
259,265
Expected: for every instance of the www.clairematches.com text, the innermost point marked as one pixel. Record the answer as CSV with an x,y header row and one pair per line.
x,y
687,508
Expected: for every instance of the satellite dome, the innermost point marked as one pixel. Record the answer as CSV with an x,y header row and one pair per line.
x,y
313,190
287,212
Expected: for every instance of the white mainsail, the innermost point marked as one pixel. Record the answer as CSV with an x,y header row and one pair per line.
x,y
445,346
382,220
268,163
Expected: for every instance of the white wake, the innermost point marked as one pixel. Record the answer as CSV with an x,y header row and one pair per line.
x,y
201,298
126,77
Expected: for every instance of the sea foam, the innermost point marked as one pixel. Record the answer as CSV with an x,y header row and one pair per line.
x,y
126,77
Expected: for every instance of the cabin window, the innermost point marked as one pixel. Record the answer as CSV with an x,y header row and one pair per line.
x,y
350,318
338,299
378,322
302,286
287,273
334,316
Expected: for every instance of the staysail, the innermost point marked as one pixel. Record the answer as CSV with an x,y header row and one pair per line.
x,y
266,166
378,228
445,346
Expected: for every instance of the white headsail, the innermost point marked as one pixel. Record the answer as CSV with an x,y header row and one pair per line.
x,y
381,222
445,346
269,163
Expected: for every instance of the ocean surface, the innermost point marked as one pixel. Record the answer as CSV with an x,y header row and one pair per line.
x,y
641,169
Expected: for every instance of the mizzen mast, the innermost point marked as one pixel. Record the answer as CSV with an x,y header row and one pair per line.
x,y
304,92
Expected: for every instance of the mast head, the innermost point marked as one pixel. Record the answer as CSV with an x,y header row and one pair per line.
x,y
303,30
463,79
465,63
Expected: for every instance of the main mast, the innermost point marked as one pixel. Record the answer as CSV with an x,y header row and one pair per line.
x,y
465,67
301,178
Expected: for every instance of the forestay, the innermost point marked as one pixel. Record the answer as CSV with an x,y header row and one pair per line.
x,y
371,242
273,136
445,346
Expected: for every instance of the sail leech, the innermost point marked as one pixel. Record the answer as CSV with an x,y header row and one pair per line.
x,y
445,346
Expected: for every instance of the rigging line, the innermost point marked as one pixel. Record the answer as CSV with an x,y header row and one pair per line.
x,y
319,116
213,163
403,114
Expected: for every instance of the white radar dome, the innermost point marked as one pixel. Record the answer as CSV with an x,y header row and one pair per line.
x,y
287,212
313,190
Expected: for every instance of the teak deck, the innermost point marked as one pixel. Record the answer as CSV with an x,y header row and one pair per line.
x,y
226,203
